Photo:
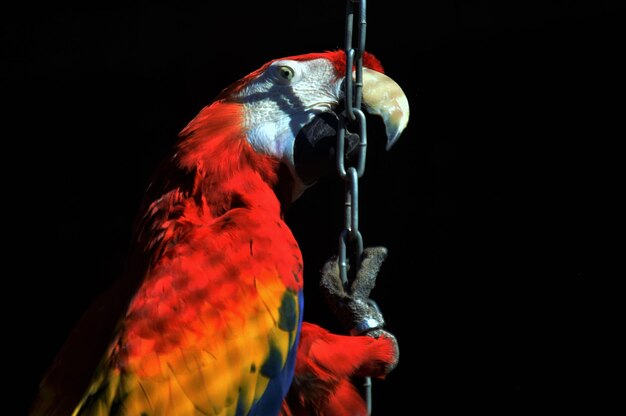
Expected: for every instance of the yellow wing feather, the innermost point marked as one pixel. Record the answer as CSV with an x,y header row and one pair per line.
x,y
218,374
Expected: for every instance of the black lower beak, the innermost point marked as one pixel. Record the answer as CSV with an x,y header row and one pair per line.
x,y
315,147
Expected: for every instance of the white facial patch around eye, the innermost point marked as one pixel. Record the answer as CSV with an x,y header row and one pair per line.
x,y
284,98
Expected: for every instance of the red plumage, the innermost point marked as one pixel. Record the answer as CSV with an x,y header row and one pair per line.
x,y
325,366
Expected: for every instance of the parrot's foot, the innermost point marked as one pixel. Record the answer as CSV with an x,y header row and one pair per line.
x,y
357,313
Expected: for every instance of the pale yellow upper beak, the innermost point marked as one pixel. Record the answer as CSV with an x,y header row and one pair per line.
x,y
382,96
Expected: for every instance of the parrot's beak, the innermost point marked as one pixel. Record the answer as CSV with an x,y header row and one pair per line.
x,y
384,97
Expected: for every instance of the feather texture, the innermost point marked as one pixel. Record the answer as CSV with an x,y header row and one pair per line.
x,y
325,367
213,326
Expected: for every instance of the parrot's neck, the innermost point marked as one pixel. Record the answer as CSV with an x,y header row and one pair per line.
x,y
213,170
226,169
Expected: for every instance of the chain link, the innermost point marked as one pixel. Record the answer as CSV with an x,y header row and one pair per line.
x,y
352,113
350,238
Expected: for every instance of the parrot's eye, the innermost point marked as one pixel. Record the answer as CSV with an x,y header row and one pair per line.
x,y
285,73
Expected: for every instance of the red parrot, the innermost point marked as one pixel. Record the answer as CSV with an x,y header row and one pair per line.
x,y
207,319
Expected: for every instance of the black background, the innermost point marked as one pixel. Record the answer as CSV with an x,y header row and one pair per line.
x,y
492,204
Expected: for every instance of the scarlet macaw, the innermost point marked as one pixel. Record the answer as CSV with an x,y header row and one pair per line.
x,y
208,317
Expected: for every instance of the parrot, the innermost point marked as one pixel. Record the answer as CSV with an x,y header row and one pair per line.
x,y
207,318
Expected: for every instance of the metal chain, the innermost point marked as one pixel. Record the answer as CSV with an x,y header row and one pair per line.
x,y
350,236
